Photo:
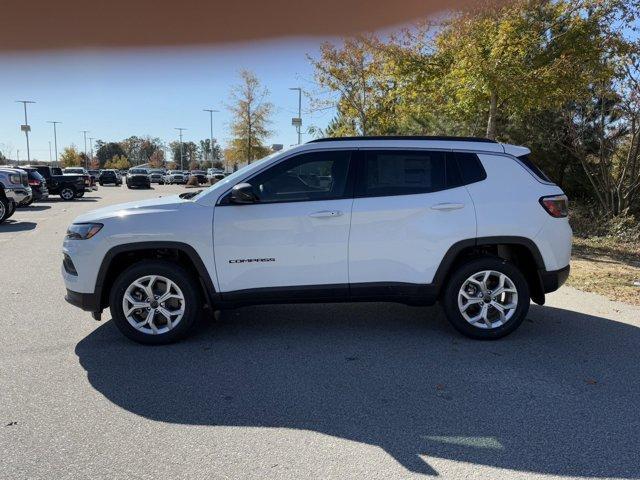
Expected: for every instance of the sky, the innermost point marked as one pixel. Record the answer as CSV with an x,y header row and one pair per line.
x,y
116,94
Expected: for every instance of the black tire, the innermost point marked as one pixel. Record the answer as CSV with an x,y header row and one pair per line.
x,y
466,270
101,184
187,284
68,193
12,209
4,209
79,194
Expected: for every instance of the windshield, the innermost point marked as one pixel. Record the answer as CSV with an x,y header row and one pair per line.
x,y
138,170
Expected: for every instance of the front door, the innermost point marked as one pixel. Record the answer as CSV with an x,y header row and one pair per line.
x,y
294,239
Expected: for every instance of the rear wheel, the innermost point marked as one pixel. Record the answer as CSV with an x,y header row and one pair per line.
x,y
155,302
486,298
68,193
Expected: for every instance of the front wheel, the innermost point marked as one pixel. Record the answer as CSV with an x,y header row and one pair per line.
x,y
486,298
155,302
68,193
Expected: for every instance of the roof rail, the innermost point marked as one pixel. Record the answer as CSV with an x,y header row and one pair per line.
x,y
404,137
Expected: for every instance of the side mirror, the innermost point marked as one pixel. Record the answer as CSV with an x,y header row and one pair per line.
x,y
242,194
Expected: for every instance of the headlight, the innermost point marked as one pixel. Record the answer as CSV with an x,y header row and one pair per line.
x,y
83,231
14,178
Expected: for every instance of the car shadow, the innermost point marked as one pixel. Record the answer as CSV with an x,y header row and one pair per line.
x,y
34,208
560,396
17,226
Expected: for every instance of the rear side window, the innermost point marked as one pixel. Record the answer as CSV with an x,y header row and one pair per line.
x,y
471,169
405,172
533,167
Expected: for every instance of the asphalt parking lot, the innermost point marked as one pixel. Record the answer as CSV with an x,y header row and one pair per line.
x,y
317,391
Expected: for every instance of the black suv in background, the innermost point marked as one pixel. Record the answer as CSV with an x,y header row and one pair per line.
x,y
108,177
138,177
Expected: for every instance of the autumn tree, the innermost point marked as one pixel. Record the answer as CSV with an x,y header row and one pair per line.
x,y
355,76
70,157
251,117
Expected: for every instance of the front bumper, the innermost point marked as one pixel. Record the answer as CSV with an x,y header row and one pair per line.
x,y
18,194
89,302
553,280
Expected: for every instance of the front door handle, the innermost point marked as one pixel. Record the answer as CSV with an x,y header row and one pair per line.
x,y
447,206
325,214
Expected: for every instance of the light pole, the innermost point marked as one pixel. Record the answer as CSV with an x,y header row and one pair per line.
x,y
55,137
181,155
210,110
91,139
26,127
85,147
298,121
49,151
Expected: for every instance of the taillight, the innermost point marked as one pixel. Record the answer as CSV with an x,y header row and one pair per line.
x,y
556,205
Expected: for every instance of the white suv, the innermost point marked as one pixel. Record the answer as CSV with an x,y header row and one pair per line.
x,y
470,222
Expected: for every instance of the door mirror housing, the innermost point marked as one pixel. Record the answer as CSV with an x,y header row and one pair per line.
x,y
242,194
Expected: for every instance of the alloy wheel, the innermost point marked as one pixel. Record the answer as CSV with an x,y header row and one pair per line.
x,y
153,304
488,299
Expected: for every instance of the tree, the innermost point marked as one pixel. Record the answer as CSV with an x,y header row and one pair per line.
x,y
205,149
157,159
356,76
251,112
118,162
106,151
70,157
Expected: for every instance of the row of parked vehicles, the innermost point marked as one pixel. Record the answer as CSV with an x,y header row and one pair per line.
x,y
20,186
144,177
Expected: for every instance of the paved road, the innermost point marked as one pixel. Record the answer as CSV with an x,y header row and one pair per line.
x,y
323,391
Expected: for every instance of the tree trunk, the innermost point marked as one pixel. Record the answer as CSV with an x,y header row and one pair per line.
x,y
491,121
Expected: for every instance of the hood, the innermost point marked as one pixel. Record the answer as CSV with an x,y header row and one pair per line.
x,y
152,206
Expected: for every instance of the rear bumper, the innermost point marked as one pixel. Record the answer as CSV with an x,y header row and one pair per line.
x,y
553,280
89,302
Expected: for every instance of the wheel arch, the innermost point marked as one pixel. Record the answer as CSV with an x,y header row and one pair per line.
x,y
522,251
118,258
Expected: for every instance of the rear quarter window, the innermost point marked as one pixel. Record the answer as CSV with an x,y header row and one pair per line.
x,y
527,162
471,169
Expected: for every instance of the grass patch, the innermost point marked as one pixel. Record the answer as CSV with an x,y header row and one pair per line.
x,y
607,266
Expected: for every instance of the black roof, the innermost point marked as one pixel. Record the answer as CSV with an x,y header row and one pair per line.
x,y
405,137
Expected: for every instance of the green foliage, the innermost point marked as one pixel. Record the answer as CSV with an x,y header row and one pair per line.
x,y
106,151
118,162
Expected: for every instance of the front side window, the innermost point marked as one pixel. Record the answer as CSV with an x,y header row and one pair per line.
x,y
305,177
398,172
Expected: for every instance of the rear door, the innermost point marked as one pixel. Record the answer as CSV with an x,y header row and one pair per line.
x,y
409,209
294,239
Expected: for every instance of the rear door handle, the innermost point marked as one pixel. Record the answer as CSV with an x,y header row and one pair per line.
x,y
325,214
447,206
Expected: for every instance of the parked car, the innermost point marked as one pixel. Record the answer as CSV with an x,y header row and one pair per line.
x,y
175,176
94,174
214,175
156,176
110,177
201,175
38,186
14,189
470,222
215,178
138,177
67,186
